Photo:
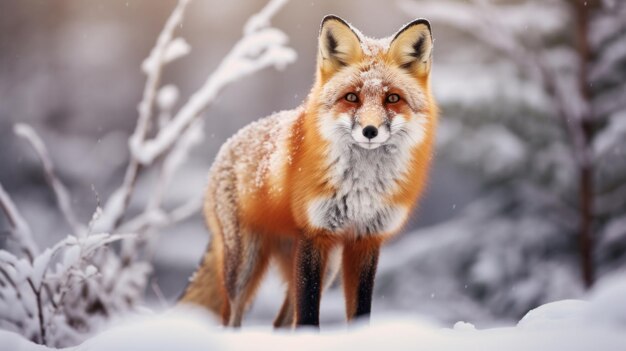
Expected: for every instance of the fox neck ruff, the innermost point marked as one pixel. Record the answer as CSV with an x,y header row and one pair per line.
x,y
363,180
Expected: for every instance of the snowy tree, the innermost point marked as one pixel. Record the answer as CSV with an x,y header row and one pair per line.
x,y
533,105
60,295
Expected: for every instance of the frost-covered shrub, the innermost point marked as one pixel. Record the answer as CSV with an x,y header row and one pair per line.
x,y
62,294
68,290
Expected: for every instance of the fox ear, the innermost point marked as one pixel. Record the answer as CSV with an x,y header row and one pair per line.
x,y
412,47
339,45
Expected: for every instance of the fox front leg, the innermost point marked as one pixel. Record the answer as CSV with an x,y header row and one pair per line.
x,y
360,259
310,264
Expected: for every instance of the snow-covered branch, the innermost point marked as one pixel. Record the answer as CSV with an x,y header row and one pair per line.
x,y
60,191
158,218
166,50
21,231
522,35
502,30
34,294
153,216
261,47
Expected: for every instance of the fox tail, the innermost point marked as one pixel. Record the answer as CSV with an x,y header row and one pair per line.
x,y
205,286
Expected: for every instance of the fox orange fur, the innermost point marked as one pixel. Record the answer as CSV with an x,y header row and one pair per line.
x,y
321,187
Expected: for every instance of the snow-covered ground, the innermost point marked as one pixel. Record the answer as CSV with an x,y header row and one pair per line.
x,y
597,323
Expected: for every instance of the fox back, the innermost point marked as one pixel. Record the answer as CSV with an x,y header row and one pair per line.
x,y
324,185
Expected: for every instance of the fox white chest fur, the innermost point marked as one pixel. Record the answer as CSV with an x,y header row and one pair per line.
x,y
363,179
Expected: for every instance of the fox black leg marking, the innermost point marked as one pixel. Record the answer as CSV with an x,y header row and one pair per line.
x,y
359,263
366,286
308,282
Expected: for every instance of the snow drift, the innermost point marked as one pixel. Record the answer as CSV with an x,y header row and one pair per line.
x,y
598,323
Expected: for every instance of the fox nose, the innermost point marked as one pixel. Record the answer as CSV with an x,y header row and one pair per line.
x,y
370,132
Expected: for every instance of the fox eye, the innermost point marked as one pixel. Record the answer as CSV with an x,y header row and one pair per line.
x,y
351,97
392,98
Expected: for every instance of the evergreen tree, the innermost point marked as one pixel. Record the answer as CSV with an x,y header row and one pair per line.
x,y
534,105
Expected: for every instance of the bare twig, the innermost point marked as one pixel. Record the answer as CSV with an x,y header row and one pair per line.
x,y
116,206
61,194
157,291
160,219
10,280
42,329
186,210
153,216
172,162
262,18
20,229
260,47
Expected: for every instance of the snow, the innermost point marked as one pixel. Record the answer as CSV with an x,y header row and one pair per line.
x,y
174,50
12,341
113,209
612,135
608,60
21,228
554,315
40,265
262,19
264,47
598,323
167,97
464,326
260,150
58,289
615,231
469,84
607,302
537,16
609,24
167,49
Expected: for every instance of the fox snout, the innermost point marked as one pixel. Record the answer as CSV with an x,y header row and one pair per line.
x,y
370,136
370,130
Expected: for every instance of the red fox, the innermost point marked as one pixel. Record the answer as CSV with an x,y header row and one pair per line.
x,y
321,187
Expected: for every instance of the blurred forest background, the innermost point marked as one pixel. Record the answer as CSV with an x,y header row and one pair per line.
x,y
527,200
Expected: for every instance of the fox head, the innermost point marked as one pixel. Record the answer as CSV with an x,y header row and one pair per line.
x,y
373,92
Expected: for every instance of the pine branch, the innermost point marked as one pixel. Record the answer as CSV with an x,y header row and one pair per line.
x,y
572,106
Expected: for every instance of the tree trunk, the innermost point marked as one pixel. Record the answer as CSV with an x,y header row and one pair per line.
x,y
585,168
